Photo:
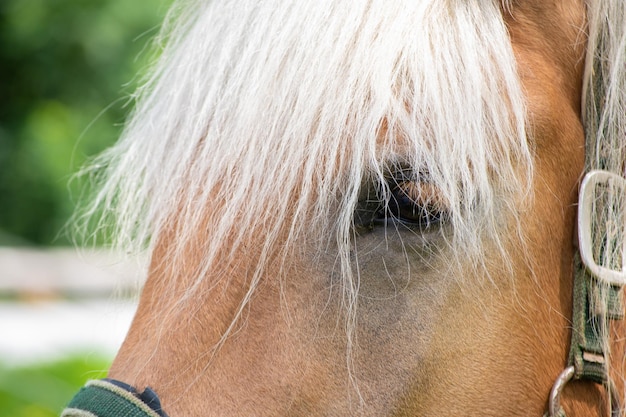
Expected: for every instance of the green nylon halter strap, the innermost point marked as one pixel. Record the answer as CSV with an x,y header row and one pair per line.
x,y
101,398
591,325
595,305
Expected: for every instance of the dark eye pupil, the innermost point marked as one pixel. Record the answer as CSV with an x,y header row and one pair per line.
x,y
402,207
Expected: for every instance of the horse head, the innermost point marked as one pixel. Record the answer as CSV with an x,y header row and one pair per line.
x,y
365,207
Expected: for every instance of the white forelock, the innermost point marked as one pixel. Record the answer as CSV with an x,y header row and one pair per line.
x,y
261,115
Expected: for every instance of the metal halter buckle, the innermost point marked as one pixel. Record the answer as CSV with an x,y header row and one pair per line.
x,y
613,183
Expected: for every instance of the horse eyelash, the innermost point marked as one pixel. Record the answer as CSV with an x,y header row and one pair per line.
x,y
392,204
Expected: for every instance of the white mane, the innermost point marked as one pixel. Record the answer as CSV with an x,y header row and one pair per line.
x,y
604,85
267,118
604,116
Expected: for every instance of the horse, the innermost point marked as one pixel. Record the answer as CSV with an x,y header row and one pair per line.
x,y
369,208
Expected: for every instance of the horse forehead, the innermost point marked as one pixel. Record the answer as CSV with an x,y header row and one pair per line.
x,y
549,43
552,29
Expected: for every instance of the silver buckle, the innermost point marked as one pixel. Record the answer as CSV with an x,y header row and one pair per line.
x,y
612,183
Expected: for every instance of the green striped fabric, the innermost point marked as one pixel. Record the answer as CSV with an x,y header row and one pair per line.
x,y
103,399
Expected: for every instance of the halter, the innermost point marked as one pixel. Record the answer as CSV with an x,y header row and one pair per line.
x,y
596,301
597,292
112,398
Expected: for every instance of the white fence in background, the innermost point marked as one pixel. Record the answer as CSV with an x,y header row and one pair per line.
x,y
67,272
64,301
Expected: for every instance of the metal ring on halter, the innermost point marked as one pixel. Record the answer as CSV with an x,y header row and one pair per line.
x,y
554,405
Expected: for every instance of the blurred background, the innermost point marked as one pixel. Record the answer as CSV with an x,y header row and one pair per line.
x,y
67,69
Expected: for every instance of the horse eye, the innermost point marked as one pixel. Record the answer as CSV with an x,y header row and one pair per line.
x,y
415,204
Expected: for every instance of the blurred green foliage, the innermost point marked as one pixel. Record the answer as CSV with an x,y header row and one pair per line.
x,y
67,68
43,390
